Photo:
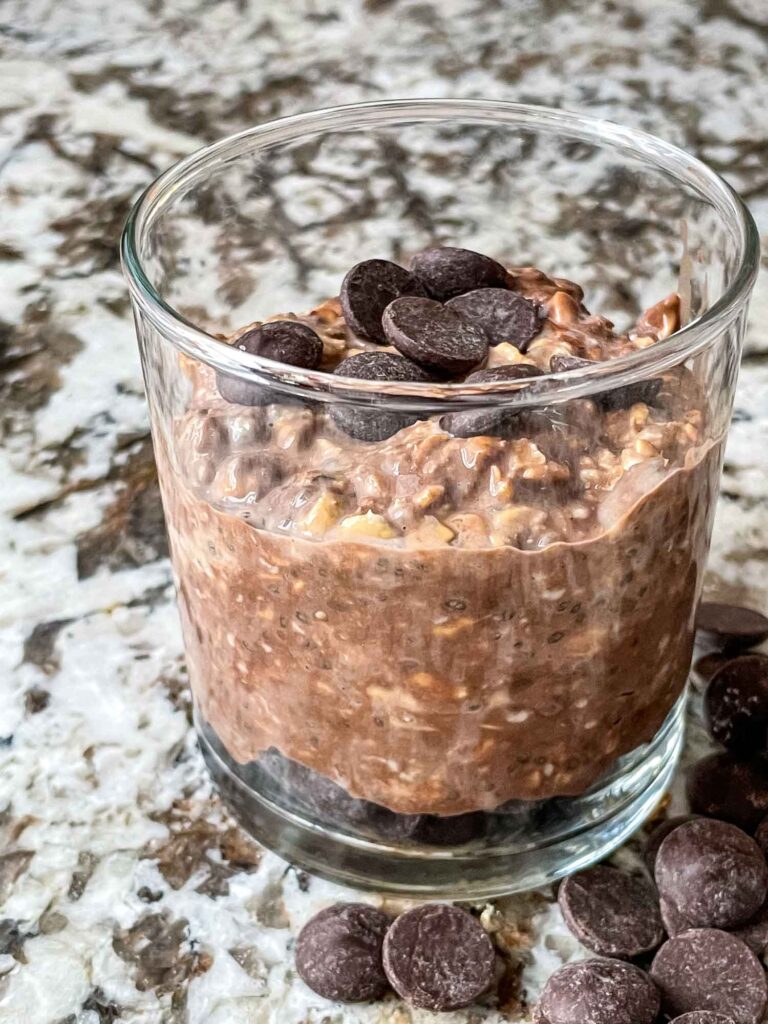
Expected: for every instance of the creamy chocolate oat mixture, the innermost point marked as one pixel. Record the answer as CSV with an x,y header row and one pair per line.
x,y
460,612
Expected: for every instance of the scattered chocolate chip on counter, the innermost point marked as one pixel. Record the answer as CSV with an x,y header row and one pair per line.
x,y
707,969
612,913
703,1017
736,705
761,835
437,957
338,952
706,666
600,992
730,627
712,873
722,786
658,835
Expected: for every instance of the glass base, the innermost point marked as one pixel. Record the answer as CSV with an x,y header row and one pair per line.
x,y
521,845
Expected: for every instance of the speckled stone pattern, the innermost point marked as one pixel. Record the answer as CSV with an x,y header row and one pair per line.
x,y
127,894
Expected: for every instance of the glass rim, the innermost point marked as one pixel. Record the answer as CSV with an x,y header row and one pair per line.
x,y
320,385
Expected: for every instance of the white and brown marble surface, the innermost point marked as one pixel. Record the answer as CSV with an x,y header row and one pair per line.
x,y
126,893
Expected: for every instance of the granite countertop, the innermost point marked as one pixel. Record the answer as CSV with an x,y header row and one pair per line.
x,y
128,895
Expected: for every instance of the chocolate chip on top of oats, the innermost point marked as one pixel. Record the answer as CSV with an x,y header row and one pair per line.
x,y
282,341
503,315
368,289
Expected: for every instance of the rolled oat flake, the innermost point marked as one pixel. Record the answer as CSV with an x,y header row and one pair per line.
x,y
612,913
338,952
599,992
438,957
707,969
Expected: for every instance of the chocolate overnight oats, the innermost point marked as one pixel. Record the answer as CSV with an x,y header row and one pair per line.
x,y
446,614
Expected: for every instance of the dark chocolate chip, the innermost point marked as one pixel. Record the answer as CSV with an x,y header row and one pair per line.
x,y
630,394
562,364
284,341
714,874
368,289
730,627
754,933
438,957
703,1017
761,836
446,271
611,913
600,992
674,921
323,798
431,829
720,786
491,421
736,705
707,969
659,834
706,666
338,952
371,422
433,336
621,397
505,316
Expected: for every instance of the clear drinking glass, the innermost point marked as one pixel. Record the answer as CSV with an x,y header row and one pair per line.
x,y
425,663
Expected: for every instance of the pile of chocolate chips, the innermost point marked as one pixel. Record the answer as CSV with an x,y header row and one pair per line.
x,y
686,945
441,316
436,957
706,918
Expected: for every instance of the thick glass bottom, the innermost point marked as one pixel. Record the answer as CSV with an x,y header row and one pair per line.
x,y
521,845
